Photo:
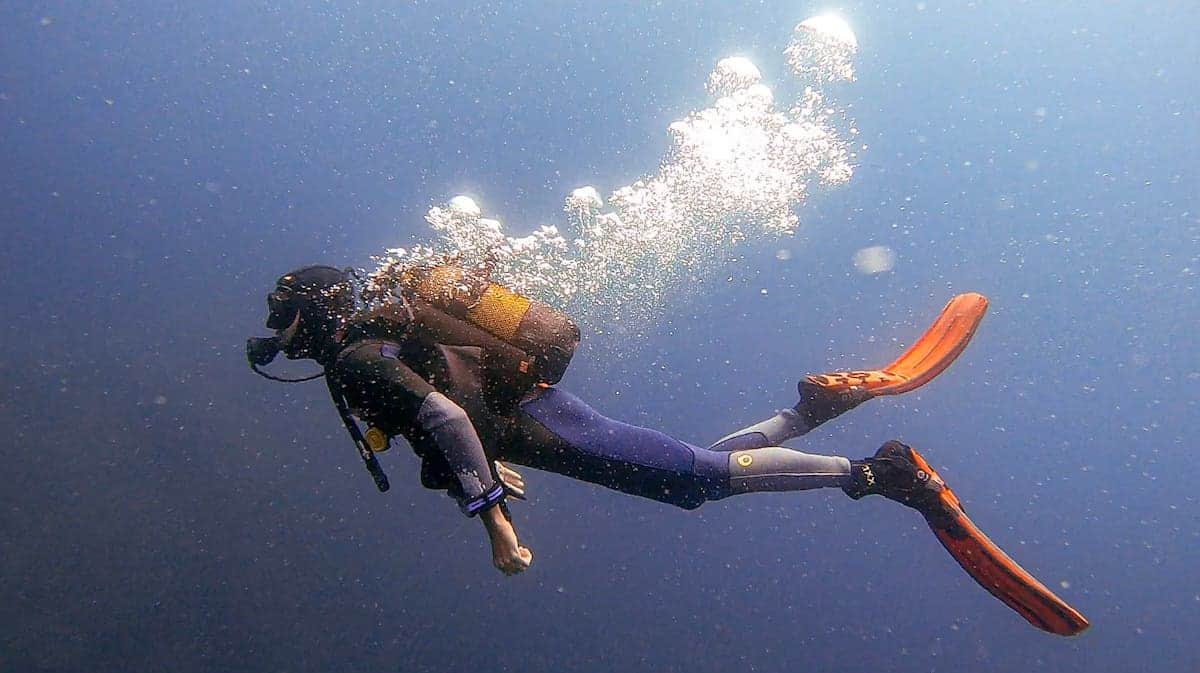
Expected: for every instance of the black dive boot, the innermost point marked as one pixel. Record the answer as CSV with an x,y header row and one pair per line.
x,y
820,402
894,473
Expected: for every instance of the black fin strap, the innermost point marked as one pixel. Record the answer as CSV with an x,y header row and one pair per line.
x,y
364,450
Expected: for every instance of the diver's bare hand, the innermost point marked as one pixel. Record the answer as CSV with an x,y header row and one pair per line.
x,y
514,483
507,553
516,561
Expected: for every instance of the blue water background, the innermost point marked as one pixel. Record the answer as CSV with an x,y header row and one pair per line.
x,y
164,509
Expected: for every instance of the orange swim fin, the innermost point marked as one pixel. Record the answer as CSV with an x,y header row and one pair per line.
x,y
929,356
826,396
988,565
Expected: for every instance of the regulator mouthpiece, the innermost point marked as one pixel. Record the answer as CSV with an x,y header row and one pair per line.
x,y
260,351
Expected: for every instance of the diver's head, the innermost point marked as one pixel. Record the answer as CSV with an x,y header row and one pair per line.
x,y
306,309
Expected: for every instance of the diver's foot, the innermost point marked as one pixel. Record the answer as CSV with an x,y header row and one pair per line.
x,y
897,473
821,399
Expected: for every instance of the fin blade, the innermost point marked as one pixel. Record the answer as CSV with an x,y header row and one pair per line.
x,y
995,570
939,346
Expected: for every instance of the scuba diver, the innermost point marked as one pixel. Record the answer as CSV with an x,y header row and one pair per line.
x,y
464,370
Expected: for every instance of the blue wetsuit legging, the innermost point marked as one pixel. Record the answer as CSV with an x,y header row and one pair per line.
x,y
559,432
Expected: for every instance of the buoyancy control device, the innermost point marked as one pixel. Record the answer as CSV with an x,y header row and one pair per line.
x,y
545,337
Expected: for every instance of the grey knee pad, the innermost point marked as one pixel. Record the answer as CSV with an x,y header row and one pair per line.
x,y
776,468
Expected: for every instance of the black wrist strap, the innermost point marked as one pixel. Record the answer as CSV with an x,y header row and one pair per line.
x,y
490,497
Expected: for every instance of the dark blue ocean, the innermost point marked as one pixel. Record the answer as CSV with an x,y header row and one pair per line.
x,y
163,509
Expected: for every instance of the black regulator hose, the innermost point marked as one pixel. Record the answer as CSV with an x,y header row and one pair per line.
x,y
261,351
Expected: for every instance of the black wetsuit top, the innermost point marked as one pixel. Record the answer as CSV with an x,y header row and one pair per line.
x,y
435,396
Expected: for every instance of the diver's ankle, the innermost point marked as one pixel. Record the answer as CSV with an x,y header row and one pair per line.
x,y
862,481
819,404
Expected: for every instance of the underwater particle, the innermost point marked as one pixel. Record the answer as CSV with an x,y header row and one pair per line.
x,y
783,254
160,400
874,259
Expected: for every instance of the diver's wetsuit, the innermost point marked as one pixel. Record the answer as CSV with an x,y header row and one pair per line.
x,y
459,419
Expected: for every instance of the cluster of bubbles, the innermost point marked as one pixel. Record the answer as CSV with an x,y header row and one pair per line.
x,y
735,171
827,52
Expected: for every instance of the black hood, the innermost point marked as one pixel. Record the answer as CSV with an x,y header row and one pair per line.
x,y
322,297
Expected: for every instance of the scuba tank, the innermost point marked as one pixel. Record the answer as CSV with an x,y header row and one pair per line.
x,y
546,337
